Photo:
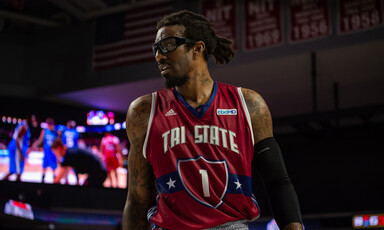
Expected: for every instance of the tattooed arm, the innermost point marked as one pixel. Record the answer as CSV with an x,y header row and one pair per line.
x,y
141,188
260,115
268,162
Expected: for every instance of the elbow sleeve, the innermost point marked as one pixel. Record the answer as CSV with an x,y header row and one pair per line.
x,y
269,164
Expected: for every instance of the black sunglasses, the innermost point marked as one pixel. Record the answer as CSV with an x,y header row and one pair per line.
x,y
169,44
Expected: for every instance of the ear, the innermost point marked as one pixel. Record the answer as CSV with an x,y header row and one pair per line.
x,y
199,47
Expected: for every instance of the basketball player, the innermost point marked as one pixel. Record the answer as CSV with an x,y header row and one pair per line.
x,y
70,136
110,148
47,136
82,161
17,150
195,143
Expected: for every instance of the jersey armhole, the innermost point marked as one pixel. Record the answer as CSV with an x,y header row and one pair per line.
x,y
249,121
149,124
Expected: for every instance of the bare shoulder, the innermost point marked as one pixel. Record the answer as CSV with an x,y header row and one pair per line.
x,y
138,112
260,114
141,104
137,120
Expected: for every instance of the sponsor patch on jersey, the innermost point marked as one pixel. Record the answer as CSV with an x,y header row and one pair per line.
x,y
226,111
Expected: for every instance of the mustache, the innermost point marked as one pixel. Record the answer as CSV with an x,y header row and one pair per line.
x,y
162,62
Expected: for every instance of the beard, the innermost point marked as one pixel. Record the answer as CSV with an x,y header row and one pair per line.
x,y
172,82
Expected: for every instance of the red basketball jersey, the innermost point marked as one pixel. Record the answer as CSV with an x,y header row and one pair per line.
x,y
201,159
108,144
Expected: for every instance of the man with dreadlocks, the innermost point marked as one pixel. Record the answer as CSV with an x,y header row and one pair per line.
x,y
195,143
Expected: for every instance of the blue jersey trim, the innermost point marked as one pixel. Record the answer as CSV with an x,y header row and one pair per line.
x,y
201,109
163,187
237,184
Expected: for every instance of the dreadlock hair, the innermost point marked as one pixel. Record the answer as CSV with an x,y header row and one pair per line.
x,y
197,28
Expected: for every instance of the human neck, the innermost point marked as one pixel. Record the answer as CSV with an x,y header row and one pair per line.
x,y
198,89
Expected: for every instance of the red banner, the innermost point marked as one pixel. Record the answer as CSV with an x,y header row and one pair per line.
x,y
263,24
308,20
222,15
357,15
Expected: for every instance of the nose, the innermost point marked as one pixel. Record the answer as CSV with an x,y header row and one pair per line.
x,y
159,55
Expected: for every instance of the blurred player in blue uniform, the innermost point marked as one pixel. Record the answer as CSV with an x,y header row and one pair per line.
x,y
70,136
47,136
17,149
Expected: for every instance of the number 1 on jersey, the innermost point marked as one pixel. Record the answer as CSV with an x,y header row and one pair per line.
x,y
205,182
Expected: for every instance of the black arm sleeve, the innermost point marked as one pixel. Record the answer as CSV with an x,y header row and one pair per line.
x,y
269,163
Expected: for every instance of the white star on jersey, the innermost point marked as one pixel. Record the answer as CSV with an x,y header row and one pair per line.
x,y
171,183
238,185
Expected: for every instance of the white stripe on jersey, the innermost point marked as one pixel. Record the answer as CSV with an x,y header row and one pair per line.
x,y
153,104
246,112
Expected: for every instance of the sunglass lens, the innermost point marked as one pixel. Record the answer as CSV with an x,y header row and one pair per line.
x,y
168,45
